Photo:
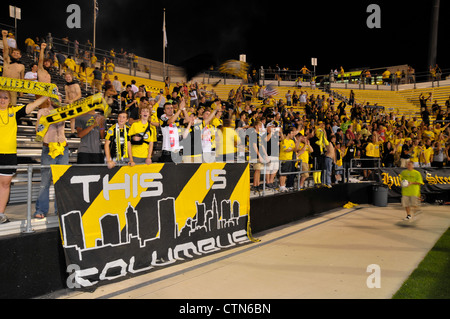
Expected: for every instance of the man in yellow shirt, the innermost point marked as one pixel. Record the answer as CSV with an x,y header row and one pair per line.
x,y
386,77
227,141
416,153
303,154
427,153
288,147
70,64
372,154
428,132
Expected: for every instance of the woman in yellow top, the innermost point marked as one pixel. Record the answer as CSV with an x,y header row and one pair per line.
x,y
227,141
9,114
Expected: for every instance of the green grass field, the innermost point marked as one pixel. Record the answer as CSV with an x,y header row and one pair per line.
x,y
431,279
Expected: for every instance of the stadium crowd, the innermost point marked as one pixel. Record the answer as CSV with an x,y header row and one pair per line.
x,y
250,125
197,126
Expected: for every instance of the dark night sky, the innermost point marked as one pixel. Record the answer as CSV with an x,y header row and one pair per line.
x,y
269,32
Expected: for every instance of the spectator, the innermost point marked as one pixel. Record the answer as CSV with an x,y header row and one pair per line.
x,y
44,66
288,98
272,138
303,155
70,64
134,88
97,80
386,76
372,154
55,151
117,85
288,148
128,101
117,142
405,152
73,94
226,142
388,152
142,137
427,153
330,160
12,67
257,151
438,155
91,130
170,122
9,116
32,74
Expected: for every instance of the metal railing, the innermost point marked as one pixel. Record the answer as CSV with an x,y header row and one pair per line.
x,y
135,65
30,168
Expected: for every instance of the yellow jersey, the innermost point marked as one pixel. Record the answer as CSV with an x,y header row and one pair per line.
x,y
149,136
285,145
373,150
416,150
304,157
8,128
427,153
226,142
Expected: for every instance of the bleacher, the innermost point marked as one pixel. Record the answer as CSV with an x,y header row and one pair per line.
x,y
441,94
392,101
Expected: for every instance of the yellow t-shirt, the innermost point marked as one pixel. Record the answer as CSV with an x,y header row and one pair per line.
x,y
339,161
304,157
226,141
415,154
141,151
429,134
427,152
373,150
216,122
8,128
29,42
70,64
284,146
110,67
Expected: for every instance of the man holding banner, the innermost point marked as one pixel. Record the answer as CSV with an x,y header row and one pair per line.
x,y
55,151
9,115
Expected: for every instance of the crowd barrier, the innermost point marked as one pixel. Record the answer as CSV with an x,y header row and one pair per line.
x,y
94,244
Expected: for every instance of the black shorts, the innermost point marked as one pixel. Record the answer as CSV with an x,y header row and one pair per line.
x,y
286,167
8,160
90,158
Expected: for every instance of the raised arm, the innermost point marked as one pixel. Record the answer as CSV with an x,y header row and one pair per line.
x,y
5,47
42,56
31,106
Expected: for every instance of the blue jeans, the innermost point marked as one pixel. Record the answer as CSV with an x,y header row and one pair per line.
x,y
328,169
42,203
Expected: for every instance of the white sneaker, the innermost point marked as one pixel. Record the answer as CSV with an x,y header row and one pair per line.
x,y
4,219
283,189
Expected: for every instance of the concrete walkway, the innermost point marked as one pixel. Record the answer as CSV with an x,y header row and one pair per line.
x,y
324,257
